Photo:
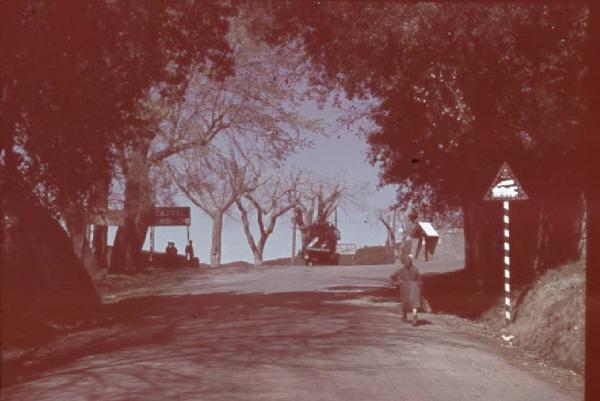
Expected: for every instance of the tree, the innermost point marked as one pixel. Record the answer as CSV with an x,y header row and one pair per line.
x,y
395,219
72,77
319,197
387,217
255,106
272,199
461,89
65,114
213,181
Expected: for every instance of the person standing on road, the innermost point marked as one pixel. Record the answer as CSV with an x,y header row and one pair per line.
x,y
410,288
189,253
171,255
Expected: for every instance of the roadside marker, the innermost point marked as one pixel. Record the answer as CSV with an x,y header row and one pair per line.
x,y
506,188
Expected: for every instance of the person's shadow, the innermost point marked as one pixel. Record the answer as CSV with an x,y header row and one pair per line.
x,y
420,322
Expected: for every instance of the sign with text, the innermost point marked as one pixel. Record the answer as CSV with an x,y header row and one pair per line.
x,y
505,187
171,216
346,249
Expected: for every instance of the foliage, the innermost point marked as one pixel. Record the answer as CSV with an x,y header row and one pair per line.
x,y
74,73
461,88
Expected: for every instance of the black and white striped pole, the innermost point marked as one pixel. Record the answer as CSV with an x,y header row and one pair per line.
x,y
507,303
506,188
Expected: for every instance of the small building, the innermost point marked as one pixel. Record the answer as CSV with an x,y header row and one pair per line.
x,y
427,237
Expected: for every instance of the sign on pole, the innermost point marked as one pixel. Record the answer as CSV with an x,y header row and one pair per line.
x,y
505,188
171,216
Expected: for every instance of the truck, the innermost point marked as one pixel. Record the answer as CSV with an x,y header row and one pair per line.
x,y
319,242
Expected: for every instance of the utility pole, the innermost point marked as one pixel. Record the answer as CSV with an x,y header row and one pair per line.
x,y
293,258
335,216
151,261
393,237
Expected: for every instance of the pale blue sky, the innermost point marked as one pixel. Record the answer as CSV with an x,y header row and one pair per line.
x,y
341,153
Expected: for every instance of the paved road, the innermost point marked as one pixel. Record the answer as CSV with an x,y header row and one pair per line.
x,y
279,333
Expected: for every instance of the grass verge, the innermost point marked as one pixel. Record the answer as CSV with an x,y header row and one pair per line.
x,y
549,317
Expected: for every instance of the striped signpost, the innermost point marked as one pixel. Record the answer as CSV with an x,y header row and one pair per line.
x,y
506,188
506,218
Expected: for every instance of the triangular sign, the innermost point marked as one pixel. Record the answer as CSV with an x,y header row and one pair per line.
x,y
505,186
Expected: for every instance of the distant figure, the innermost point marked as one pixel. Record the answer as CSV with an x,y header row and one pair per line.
x,y
410,288
189,253
171,253
421,243
429,247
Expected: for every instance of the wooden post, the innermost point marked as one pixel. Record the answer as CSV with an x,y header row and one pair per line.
x,y
151,245
293,258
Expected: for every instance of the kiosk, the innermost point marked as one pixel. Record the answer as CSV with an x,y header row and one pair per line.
x,y
427,237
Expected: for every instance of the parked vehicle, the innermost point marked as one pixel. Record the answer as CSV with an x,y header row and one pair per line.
x,y
319,244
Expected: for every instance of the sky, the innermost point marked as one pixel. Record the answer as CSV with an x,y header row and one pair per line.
x,y
341,153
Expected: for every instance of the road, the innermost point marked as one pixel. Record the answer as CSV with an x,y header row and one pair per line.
x,y
279,333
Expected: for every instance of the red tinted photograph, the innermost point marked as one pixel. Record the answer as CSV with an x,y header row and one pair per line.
x,y
299,200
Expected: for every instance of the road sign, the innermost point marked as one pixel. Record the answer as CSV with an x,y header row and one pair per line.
x,y
506,187
346,249
171,216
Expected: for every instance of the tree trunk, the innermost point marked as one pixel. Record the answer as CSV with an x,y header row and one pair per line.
x,y
217,230
139,202
563,232
483,252
543,234
100,247
258,257
249,237
260,249
77,229
100,240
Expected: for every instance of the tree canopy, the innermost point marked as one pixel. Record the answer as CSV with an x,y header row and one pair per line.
x,y
74,73
461,88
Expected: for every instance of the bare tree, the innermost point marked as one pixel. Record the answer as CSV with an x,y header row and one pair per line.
x,y
319,197
387,217
213,181
396,220
257,106
275,197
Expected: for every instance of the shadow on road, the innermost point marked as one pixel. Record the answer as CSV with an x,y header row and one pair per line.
x,y
460,294
224,328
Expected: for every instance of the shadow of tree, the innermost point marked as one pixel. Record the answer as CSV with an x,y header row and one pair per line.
x,y
460,293
232,331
